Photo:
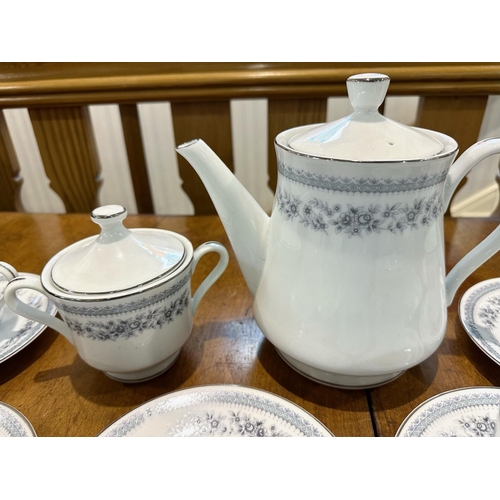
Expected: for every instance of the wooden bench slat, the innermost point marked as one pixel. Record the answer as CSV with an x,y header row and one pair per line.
x,y
210,121
136,160
49,84
453,100
458,117
10,180
69,155
287,113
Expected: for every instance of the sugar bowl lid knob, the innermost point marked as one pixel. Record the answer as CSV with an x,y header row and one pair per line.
x,y
108,213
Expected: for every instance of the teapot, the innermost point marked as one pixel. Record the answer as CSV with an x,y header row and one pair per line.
x,y
124,296
348,273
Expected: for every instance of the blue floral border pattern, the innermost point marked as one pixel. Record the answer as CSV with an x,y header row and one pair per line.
x,y
477,401
359,184
488,314
125,308
11,424
210,424
130,423
126,328
224,423
358,221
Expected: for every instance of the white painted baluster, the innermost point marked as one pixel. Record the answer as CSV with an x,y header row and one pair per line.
x,y
161,158
479,196
403,109
249,132
117,188
36,194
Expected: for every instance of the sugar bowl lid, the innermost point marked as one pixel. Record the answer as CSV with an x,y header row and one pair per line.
x,y
117,259
366,135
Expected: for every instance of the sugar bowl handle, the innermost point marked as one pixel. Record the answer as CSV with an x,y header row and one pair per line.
x,y
19,307
9,273
210,246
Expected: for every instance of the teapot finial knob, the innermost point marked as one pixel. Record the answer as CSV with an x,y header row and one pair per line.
x,y
367,90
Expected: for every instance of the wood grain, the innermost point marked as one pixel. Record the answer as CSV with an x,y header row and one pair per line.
x,y
458,117
46,84
211,122
62,396
454,99
284,114
136,160
10,179
69,155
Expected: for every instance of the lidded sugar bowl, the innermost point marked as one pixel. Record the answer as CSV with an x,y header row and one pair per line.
x,y
124,296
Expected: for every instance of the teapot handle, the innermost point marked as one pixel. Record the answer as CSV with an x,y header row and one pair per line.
x,y
210,246
491,244
19,307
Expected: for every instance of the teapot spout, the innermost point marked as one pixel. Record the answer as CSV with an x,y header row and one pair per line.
x,y
244,220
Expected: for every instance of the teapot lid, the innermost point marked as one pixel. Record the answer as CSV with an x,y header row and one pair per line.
x,y
366,135
117,259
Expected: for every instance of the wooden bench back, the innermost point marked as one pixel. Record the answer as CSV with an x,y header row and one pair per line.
x,y
57,95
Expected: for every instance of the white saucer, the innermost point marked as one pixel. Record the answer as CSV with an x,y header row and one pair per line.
x,y
13,423
16,332
467,412
218,411
479,311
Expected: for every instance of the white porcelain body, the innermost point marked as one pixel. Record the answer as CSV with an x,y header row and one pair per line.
x,y
134,335
366,299
348,273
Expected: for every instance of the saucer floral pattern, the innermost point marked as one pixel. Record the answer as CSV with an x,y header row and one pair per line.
x,y
471,426
224,424
490,313
362,220
480,315
213,411
467,412
10,424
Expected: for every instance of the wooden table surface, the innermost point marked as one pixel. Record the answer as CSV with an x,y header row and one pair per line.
x,y
62,396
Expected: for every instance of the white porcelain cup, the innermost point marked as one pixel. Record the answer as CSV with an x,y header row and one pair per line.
x,y
7,273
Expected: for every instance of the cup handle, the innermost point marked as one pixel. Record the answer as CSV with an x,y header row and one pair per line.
x,y
19,307
491,244
9,273
211,246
